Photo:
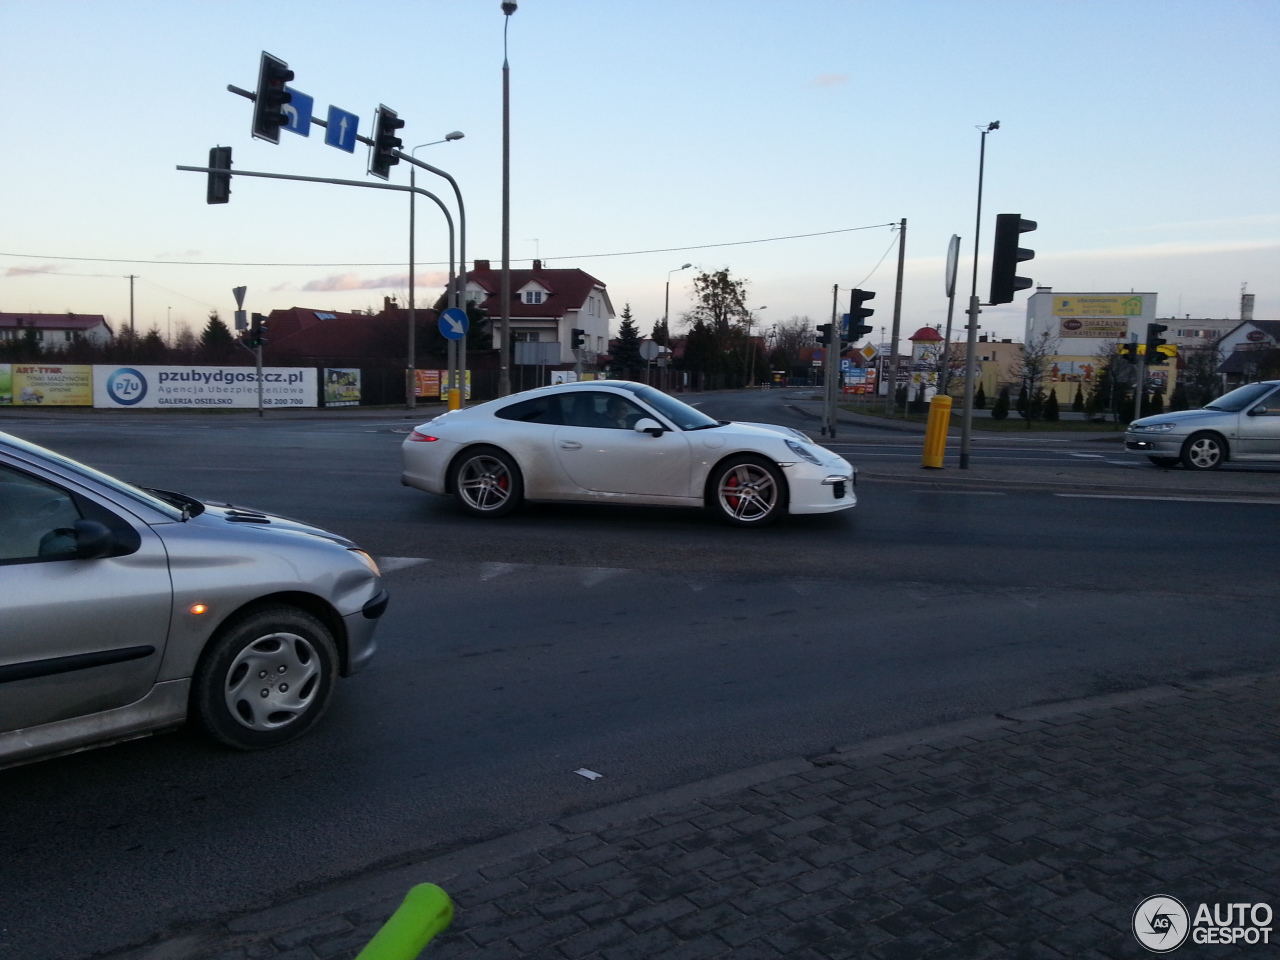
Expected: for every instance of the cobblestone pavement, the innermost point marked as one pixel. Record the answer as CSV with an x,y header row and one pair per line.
x,y
1033,834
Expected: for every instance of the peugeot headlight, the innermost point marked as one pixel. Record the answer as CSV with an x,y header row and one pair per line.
x,y
367,560
1152,427
803,450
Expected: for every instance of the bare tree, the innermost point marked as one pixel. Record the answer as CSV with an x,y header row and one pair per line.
x,y
792,336
1033,371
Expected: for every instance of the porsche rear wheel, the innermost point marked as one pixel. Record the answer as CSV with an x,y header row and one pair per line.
x,y
486,482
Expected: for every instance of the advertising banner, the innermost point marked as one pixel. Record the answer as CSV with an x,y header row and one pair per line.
x,y
341,387
428,382
139,387
1102,306
1101,328
46,384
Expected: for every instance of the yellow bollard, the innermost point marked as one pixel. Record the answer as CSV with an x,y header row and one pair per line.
x,y
455,398
935,433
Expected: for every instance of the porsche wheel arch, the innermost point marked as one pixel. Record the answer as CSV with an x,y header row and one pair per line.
x,y
714,468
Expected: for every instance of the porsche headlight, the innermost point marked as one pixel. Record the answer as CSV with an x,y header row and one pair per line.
x,y
803,450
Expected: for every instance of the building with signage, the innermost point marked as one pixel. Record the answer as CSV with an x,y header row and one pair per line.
x,y
1250,352
1082,327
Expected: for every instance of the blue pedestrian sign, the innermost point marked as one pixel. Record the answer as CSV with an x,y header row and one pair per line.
x,y
341,132
298,110
453,323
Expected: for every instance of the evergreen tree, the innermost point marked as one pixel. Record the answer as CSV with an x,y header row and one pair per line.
x,y
625,362
1157,402
1022,402
217,343
152,348
900,397
1179,399
1001,410
980,398
661,333
1051,405
1078,403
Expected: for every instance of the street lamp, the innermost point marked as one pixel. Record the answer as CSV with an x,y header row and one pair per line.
x,y
971,346
751,366
411,387
504,364
666,303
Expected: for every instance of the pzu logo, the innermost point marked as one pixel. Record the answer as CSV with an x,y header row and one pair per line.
x,y
126,386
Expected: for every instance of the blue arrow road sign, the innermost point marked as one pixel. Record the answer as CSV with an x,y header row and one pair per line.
x,y
298,110
453,323
341,132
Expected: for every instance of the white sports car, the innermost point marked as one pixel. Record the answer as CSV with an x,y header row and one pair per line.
x,y
613,441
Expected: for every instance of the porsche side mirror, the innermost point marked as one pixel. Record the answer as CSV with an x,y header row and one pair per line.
x,y
650,426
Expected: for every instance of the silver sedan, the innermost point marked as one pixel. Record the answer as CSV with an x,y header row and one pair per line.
x,y
614,441
1241,425
124,611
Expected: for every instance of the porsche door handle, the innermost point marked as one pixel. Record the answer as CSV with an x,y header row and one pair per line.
x,y
570,445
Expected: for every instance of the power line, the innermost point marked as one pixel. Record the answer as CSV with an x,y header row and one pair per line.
x,y
439,263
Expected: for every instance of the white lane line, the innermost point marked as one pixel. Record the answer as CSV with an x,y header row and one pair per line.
x,y
490,570
1099,456
593,575
391,564
1117,496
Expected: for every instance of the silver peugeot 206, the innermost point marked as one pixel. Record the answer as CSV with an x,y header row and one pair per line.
x,y
124,611
1241,425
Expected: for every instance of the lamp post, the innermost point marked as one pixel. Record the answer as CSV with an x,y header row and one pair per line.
x,y
666,302
411,386
970,363
751,363
504,362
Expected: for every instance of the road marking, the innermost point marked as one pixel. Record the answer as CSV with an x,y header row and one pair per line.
x,y
1118,496
490,570
1099,456
391,564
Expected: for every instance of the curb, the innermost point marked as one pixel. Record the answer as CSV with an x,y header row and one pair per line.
x,y
379,891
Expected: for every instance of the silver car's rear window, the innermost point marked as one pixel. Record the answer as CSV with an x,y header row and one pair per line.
x,y
67,465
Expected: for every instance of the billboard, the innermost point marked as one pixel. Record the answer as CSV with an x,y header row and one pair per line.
x,y
1073,305
427,382
341,387
147,386
1101,328
46,384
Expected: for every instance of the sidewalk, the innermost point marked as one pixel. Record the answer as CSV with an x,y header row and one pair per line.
x,y
1033,834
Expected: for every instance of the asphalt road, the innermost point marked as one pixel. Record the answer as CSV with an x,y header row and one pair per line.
x,y
652,646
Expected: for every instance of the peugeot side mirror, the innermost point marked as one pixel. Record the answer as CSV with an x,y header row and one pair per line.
x,y
650,426
94,540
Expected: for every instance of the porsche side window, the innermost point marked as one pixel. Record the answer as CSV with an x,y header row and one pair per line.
x,y
36,519
535,410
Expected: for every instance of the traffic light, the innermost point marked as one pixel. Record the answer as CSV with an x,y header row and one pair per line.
x,y
1007,255
824,333
857,314
268,118
219,190
579,337
1155,342
385,142
1128,350
257,336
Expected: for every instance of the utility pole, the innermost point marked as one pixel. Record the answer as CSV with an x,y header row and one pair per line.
x,y
131,279
504,358
897,314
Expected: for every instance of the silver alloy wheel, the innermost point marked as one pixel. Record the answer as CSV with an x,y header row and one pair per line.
x,y
272,681
1204,452
748,493
484,482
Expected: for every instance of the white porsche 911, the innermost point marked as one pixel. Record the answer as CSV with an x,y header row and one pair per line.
x,y
613,441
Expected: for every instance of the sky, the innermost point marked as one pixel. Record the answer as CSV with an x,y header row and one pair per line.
x,y
778,139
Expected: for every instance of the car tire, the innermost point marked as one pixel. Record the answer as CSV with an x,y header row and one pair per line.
x,y
265,678
1203,451
486,482
1166,463
747,491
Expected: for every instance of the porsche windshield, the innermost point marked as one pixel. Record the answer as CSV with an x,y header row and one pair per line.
x,y
681,414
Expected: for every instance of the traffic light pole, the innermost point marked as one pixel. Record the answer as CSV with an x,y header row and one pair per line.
x,y
1140,384
831,368
970,358
349,183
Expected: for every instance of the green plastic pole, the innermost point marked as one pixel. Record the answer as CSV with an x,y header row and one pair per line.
x,y
426,911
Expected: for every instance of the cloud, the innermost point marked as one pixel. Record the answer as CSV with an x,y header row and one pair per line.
x,y
29,271
830,79
336,282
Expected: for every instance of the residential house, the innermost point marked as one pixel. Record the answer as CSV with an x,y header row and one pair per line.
x,y
55,331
